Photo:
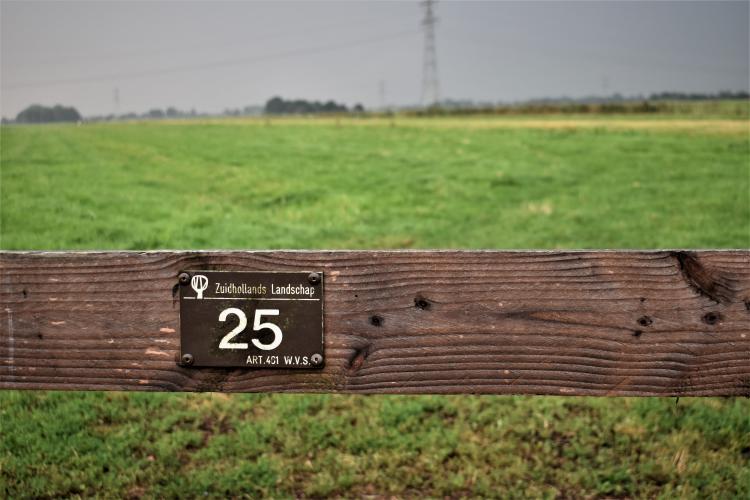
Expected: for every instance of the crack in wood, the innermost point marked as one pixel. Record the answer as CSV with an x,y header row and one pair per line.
x,y
358,358
713,284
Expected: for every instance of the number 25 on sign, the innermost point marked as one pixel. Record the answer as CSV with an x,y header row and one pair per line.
x,y
226,341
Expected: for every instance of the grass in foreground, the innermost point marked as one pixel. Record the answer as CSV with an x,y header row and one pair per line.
x,y
446,185
159,445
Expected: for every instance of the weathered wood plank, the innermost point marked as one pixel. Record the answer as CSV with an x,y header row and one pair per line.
x,y
589,322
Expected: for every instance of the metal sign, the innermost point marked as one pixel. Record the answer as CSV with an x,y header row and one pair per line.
x,y
251,319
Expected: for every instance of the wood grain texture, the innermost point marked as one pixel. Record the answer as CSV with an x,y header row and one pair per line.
x,y
586,323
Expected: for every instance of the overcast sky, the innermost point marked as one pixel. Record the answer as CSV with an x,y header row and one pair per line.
x,y
210,56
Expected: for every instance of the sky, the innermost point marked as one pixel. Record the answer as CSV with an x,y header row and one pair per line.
x,y
108,57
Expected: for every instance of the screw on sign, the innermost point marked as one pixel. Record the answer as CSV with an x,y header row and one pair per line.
x,y
313,278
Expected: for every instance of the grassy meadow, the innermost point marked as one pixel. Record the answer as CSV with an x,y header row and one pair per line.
x,y
455,182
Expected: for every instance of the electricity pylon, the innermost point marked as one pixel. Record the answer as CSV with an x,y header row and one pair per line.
x,y
430,85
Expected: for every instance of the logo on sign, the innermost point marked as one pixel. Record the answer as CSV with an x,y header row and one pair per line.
x,y
199,283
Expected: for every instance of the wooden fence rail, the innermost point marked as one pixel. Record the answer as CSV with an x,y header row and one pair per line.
x,y
502,322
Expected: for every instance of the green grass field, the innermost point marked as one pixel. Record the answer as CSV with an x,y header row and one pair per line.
x,y
531,182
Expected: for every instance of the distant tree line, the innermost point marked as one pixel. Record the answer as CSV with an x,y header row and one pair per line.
x,y
686,96
279,106
36,113
585,102
151,114
172,113
725,102
675,107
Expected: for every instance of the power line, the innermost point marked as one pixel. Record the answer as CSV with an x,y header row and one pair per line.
x,y
109,56
430,85
210,65
555,53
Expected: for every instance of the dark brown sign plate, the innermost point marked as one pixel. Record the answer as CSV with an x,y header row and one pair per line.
x,y
251,319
